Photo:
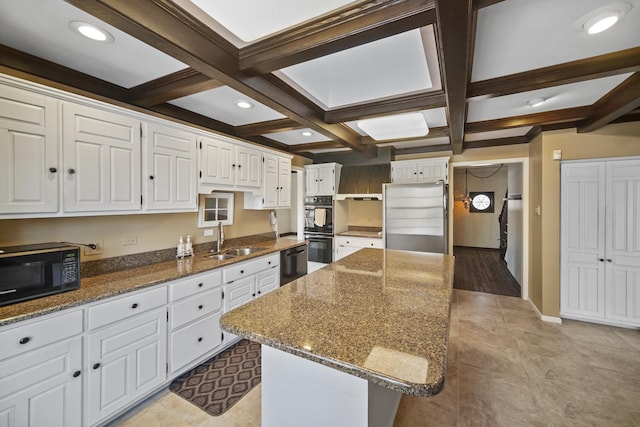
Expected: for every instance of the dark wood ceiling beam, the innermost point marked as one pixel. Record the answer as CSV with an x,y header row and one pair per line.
x,y
621,100
398,104
261,140
539,119
173,86
479,4
623,61
165,26
455,20
299,148
15,62
495,142
344,29
191,117
272,126
425,149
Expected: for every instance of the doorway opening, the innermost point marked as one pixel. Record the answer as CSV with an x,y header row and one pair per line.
x,y
489,226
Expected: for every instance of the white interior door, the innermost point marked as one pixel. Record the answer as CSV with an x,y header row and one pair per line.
x,y
582,239
623,241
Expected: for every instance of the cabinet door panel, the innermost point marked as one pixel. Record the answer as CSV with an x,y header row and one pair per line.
x,y
195,340
38,388
239,292
216,160
270,181
101,160
268,280
284,182
28,148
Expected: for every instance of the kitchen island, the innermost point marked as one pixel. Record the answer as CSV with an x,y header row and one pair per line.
x,y
342,344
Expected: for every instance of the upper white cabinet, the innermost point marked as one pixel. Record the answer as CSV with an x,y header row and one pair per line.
x,y
322,179
600,250
276,190
29,166
101,160
420,170
169,168
227,165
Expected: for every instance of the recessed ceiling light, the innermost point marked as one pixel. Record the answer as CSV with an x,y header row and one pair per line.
x,y
602,18
534,102
395,127
91,31
306,133
244,104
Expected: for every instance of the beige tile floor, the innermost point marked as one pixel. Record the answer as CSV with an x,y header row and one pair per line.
x,y
505,368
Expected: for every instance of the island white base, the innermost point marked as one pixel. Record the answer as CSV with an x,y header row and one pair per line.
x,y
298,392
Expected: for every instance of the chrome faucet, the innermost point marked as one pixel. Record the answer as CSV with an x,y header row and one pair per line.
x,y
220,240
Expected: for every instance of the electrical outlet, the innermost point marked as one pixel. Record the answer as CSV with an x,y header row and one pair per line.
x,y
129,240
208,232
99,250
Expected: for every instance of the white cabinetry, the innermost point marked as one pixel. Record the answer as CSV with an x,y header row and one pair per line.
x,y
194,318
346,245
127,351
101,164
600,254
248,280
227,165
276,191
169,168
420,170
29,166
322,179
41,372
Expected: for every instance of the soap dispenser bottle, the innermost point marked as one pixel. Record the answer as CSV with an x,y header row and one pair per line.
x,y
180,249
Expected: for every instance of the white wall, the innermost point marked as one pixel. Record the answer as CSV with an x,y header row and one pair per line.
x,y
515,231
480,230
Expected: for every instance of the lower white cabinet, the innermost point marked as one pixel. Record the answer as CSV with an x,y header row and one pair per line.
x,y
346,245
248,280
127,359
41,373
194,317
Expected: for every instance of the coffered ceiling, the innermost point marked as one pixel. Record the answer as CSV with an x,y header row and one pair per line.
x,y
310,72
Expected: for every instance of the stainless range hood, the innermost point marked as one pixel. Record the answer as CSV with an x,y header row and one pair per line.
x,y
363,182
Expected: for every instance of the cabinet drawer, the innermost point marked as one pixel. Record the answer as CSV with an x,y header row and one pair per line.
x,y
196,306
248,268
37,334
191,342
194,284
359,242
121,308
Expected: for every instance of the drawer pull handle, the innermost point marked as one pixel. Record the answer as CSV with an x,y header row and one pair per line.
x,y
609,260
24,340
253,295
269,263
199,285
76,374
200,307
96,365
601,259
241,271
259,292
134,305
53,170
200,339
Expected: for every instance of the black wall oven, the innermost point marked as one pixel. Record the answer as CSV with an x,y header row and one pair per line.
x,y
33,271
318,228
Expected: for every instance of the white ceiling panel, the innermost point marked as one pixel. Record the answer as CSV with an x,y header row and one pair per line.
x,y
294,137
250,20
220,104
559,97
436,117
519,35
386,67
497,134
126,62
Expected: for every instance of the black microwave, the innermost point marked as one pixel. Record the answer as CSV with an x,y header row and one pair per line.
x,y
34,271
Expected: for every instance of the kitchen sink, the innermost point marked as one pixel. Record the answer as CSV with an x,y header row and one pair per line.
x,y
220,257
243,251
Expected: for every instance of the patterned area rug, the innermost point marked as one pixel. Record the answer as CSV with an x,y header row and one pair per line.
x,y
217,384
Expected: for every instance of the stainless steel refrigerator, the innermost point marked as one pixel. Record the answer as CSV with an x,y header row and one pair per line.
x,y
415,217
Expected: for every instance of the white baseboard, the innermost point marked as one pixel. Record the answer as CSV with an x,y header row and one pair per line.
x,y
550,319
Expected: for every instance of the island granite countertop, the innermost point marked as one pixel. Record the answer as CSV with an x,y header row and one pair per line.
x,y
379,314
131,279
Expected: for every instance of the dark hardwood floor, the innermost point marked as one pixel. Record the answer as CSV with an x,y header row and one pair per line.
x,y
482,270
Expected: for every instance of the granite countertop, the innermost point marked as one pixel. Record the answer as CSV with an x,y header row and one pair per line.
x,y
379,314
130,279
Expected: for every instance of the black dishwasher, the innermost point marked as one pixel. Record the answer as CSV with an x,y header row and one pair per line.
x,y
293,264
